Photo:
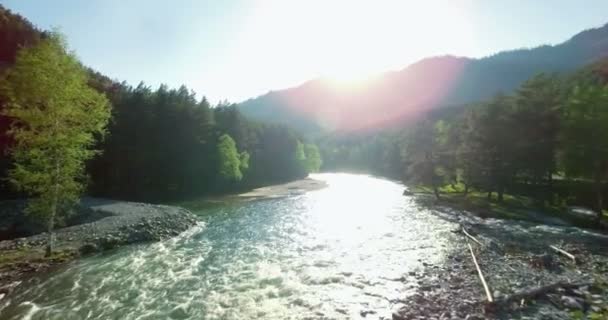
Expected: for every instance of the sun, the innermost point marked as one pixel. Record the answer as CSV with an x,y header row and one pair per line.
x,y
349,81
284,43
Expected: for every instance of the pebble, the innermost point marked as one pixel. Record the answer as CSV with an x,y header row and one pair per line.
x,y
496,293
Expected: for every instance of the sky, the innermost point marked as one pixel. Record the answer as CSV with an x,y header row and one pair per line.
x,y
239,49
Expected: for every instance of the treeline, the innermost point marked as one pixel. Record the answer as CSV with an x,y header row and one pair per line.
x,y
164,144
379,153
548,141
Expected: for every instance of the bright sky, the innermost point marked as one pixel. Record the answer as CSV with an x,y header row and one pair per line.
x,y
238,49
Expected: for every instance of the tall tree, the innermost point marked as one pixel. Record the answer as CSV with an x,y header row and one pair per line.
x,y
422,158
585,136
489,143
57,118
536,115
313,158
230,162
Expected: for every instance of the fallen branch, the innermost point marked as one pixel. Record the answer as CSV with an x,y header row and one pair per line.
x,y
533,293
567,254
470,236
483,280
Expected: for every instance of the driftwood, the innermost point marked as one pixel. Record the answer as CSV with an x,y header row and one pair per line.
x,y
565,253
520,296
470,236
483,280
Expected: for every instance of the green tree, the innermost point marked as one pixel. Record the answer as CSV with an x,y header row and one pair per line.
x,y
488,152
313,158
536,115
585,137
422,158
230,162
56,120
300,155
244,161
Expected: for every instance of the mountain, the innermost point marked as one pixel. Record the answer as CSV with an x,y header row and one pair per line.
x,y
394,97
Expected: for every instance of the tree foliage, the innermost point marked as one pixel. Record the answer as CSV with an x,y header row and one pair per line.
x,y
585,136
162,143
229,159
56,119
546,140
313,158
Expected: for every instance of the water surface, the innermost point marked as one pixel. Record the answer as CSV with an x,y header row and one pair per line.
x,y
342,252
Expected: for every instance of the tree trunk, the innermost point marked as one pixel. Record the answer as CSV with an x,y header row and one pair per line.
x,y
501,192
50,242
436,191
51,221
466,189
550,182
489,195
599,198
50,227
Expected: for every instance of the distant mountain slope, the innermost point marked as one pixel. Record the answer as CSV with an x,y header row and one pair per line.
x,y
430,83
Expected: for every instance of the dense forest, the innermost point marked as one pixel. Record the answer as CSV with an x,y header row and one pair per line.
x,y
165,144
546,141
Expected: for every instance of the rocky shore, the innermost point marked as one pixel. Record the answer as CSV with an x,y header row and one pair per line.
x,y
514,257
97,225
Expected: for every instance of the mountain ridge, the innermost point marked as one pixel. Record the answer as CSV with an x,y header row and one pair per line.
x,y
434,82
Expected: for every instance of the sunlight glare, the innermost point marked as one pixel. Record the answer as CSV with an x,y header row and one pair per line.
x,y
288,42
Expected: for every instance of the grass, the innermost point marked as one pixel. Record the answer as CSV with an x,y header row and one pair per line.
x,y
514,207
9,258
13,256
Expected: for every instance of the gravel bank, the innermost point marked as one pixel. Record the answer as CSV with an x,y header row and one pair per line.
x,y
514,257
293,188
103,225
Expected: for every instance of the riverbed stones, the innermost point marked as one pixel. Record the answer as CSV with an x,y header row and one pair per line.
x,y
571,303
116,223
524,262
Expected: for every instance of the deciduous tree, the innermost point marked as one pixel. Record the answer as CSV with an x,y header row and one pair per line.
x,y
57,118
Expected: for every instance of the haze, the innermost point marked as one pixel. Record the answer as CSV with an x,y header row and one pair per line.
x,y
240,49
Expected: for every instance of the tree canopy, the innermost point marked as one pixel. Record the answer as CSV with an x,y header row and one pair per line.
x,y
56,120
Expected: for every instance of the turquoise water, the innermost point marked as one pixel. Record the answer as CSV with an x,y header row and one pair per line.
x,y
335,253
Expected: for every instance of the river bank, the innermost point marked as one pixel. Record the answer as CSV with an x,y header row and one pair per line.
x,y
288,189
102,224
99,225
357,249
277,191
515,257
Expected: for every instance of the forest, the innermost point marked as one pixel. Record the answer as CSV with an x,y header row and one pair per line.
x,y
159,144
545,141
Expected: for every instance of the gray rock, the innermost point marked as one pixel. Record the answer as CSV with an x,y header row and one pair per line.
x,y
497,294
398,316
571,303
364,313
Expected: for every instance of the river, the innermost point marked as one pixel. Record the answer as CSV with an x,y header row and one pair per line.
x,y
337,253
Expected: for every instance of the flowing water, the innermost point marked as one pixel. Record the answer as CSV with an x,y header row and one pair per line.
x,y
337,253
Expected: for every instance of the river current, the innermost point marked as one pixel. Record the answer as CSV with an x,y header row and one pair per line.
x,y
342,252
